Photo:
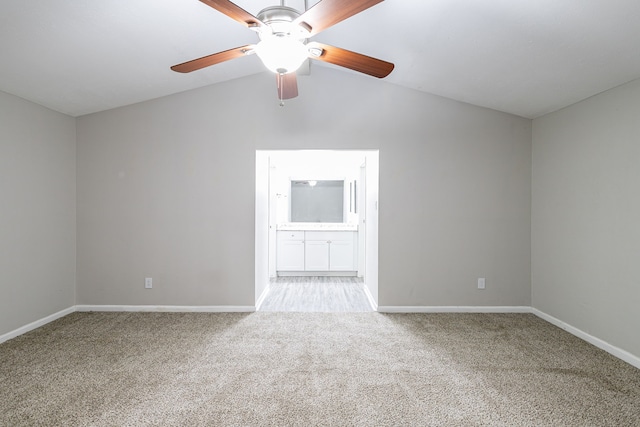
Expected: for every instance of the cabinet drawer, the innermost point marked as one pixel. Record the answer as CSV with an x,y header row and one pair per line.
x,y
290,235
334,236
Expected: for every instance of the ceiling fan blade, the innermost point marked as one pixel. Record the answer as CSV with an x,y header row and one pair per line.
x,y
352,60
287,85
234,11
216,58
326,13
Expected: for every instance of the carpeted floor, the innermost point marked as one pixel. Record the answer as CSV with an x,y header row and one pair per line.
x,y
308,369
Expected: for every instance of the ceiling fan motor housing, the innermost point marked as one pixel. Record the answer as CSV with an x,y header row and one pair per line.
x,y
280,20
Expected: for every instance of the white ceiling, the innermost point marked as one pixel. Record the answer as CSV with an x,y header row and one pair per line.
x,y
526,58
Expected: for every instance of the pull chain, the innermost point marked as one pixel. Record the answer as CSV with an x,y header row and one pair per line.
x,y
281,89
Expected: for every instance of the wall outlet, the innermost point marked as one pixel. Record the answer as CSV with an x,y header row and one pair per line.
x,y
148,283
481,283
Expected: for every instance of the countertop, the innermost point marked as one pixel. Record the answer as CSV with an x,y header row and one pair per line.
x,y
317,226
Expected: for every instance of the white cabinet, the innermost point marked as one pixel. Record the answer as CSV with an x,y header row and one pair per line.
x,y
341,255
290,251
317,251
330,251
316,255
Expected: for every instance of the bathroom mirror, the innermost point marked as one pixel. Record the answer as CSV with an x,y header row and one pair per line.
x,y
317,201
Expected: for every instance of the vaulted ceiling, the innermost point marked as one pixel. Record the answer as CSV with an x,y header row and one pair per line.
x,y
525,58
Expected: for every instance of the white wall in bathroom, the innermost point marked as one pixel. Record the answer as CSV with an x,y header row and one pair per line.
x,y
313,165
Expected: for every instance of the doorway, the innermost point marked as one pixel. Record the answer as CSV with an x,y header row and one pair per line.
x,y
279,261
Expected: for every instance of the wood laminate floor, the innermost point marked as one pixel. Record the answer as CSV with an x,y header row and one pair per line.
x,y
316,294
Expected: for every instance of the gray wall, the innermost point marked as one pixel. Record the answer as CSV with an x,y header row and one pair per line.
x,y
37,212
166,189
586,216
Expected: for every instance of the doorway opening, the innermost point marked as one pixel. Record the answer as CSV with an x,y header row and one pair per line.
x,y
316,229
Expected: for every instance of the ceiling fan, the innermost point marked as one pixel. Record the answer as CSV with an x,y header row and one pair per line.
x,y
284,45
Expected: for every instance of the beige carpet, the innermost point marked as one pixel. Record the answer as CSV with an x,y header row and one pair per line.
x,y
304,369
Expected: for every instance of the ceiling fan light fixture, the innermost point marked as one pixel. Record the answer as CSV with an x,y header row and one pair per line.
x,y
281,54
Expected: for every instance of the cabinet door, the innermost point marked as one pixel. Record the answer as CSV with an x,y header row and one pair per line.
x,y
316,255
290,255
342,256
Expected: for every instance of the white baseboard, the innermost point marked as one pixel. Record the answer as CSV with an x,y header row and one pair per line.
x,y
611,349
262,297
34,325
372,301
170,308
453,309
